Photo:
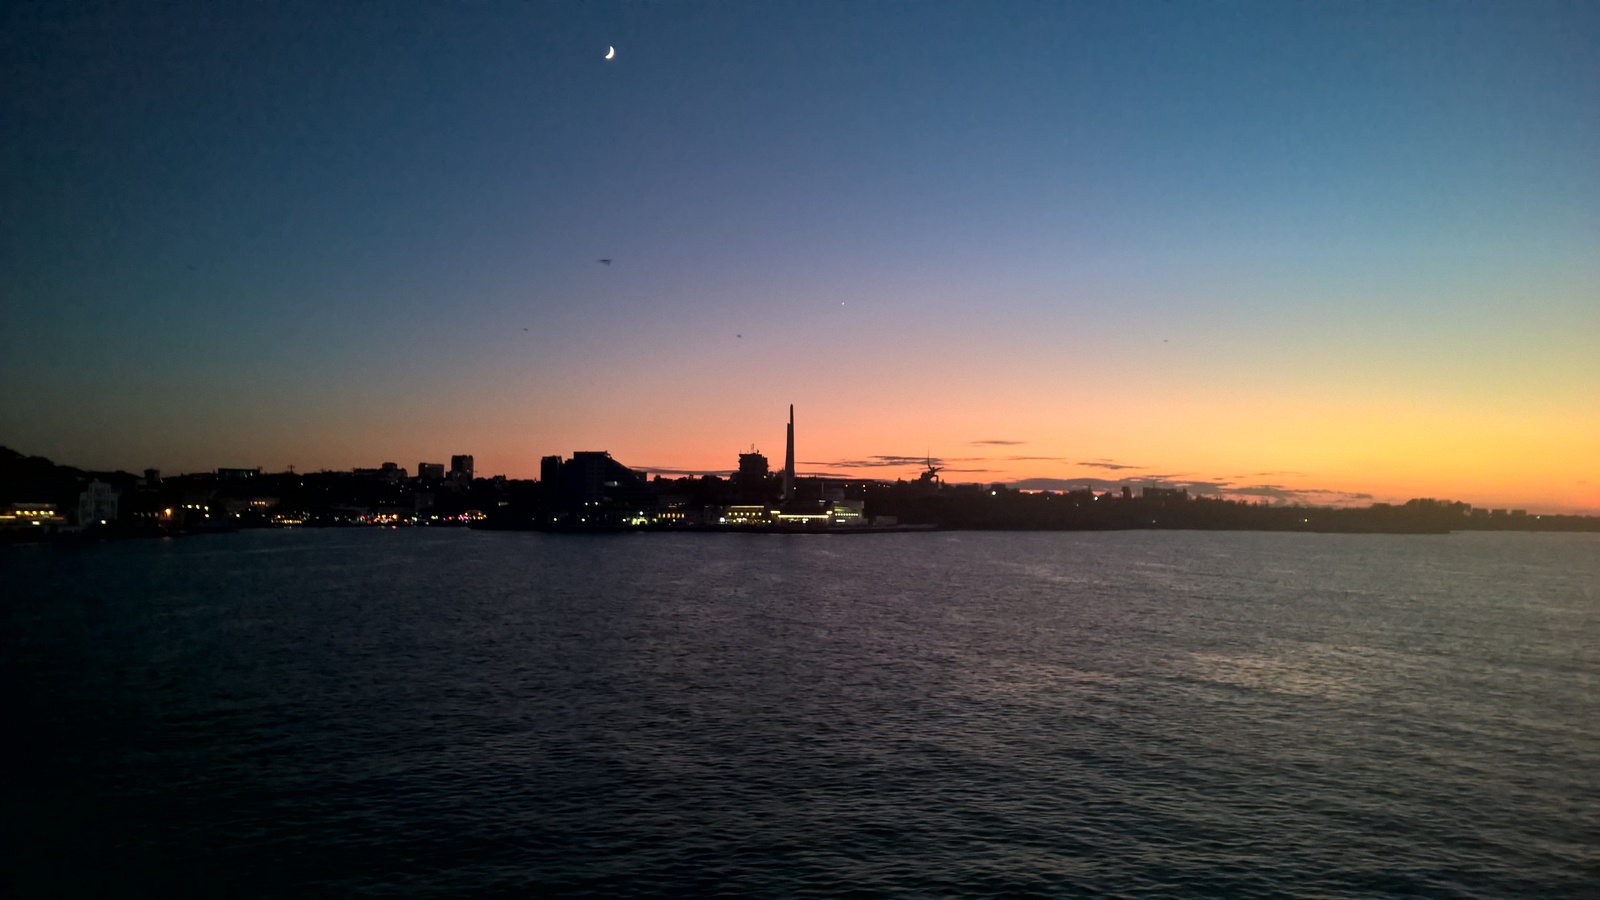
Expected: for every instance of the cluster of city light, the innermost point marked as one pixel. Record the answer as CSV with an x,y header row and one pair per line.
x,y
34,514
392,519
843,513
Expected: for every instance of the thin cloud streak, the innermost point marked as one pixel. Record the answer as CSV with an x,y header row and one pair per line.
x,y
1108,464
875,462
1297,495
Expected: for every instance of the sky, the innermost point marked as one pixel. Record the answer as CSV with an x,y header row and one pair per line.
x,y
1297,252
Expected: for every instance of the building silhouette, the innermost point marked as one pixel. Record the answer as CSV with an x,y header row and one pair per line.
x,y
593,490
752,479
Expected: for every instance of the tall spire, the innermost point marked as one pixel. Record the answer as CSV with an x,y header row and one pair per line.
x,y
788,461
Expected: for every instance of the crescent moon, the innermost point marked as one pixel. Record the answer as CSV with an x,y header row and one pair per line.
x,y
610,52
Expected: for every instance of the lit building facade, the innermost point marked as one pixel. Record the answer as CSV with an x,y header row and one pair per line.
x,y
97,504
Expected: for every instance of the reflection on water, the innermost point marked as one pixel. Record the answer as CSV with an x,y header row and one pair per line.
x,y
451,712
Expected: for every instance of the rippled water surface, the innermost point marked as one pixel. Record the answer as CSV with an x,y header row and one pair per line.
x,y
977,714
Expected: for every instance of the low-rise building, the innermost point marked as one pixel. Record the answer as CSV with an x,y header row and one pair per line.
x,y
32,514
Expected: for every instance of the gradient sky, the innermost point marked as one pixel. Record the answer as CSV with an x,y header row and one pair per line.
x,y
1324,251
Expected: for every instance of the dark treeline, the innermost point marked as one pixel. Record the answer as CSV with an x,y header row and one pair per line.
x,y
996,507
235,498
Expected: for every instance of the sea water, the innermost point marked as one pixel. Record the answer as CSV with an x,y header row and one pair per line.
x,y
433,712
